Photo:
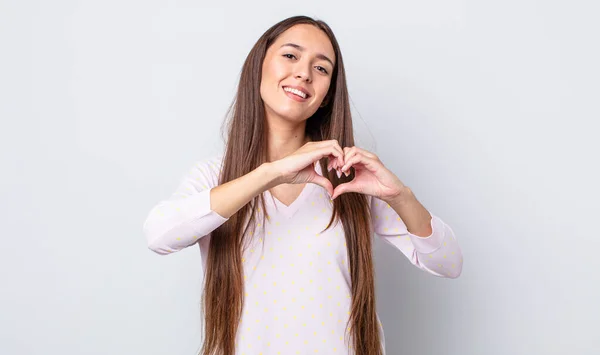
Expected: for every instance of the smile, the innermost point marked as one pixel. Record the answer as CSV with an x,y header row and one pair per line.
x,y
295,93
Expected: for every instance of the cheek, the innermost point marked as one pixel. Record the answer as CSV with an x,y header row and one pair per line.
x,y
268,79
273,71
323,89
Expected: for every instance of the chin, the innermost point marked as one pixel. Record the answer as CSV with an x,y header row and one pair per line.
x,y
294,117
292,114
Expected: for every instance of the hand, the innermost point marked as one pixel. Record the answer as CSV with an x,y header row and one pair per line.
x,y
371,177
299,167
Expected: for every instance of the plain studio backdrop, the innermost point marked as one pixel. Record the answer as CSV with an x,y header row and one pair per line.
x,y
488,110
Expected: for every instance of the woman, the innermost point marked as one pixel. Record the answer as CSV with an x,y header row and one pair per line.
x,y
285,217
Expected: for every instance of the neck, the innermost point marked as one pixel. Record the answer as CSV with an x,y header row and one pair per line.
x,y
284,138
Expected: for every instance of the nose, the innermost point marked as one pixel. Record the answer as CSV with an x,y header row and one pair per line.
x,y
303,74
304,77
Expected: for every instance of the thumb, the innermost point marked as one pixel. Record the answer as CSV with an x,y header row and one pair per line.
x,y
322,181
342,188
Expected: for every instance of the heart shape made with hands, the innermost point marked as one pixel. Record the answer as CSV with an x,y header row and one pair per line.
x,y
371,177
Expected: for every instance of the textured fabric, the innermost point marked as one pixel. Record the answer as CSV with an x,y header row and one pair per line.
x,y
296,277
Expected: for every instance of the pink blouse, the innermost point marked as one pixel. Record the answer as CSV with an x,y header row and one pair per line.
x,y
297,281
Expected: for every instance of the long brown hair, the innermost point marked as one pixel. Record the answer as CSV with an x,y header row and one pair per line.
x,y
246,149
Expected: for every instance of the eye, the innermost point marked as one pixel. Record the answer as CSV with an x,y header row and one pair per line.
x,y
321,69
288,54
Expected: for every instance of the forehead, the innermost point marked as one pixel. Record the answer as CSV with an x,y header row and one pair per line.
x,y
307,36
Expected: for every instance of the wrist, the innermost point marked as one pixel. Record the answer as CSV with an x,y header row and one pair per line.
x,y
270,174
404,196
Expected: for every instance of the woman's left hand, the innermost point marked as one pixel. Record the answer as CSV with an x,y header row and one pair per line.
x,y
371,177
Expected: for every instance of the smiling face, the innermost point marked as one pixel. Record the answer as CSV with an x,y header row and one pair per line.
x,y
296,73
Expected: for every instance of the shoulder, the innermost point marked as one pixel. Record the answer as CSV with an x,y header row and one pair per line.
x,y
207,169
211,163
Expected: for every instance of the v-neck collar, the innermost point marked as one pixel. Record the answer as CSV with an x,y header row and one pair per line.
x,y
292,208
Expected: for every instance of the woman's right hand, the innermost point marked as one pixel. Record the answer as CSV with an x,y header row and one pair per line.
x,y
299,167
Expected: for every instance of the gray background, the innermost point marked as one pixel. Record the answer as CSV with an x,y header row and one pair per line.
x,y
488,110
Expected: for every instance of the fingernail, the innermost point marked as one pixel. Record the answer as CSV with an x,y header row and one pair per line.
x,y
339,174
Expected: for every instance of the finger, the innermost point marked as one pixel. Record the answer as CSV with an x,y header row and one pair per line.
x,y
336,163
350,151
326,151
355,159
366,152
348,154
335,148
343,188
332,162
336,145
346,157
324,182
340,159
331,143
359,158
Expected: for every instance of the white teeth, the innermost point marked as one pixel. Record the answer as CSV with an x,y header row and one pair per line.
x,y
294,91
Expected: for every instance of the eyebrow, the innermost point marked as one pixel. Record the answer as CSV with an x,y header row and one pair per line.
x,y
300,48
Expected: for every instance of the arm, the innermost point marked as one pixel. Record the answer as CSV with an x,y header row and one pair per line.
x,y
199,205
414,215
435,249
437,253
228,198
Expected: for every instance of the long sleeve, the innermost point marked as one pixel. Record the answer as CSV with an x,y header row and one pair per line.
x,y
186,216
439,253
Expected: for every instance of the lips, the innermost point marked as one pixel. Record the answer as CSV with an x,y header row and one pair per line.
x,y
299,88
